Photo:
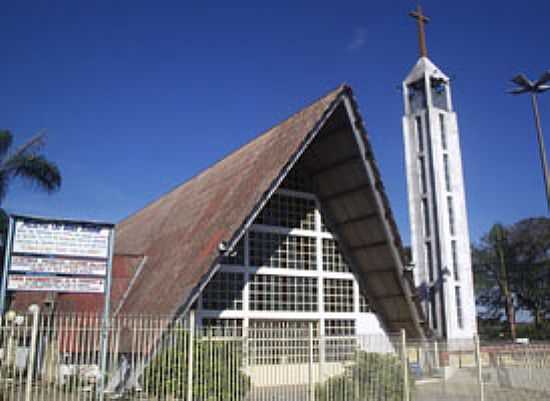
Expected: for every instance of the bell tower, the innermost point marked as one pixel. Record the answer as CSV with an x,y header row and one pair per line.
x,y
440,241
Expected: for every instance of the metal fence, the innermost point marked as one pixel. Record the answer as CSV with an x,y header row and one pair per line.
x,y
467,370
76,357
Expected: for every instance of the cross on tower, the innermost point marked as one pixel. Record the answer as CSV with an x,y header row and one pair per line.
x,y
421,20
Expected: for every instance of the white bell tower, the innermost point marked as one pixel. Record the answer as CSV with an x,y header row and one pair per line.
x,y
440,240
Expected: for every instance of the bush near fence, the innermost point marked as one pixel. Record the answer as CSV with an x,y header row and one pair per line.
x,y
217,371
371,377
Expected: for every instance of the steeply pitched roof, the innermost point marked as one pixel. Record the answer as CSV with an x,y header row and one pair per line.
x,y
181,232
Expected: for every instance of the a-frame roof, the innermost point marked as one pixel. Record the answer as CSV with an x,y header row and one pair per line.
x,y
181,233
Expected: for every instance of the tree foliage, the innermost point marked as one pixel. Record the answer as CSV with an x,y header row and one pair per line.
x,y
512,272
217,370
28,163
371,377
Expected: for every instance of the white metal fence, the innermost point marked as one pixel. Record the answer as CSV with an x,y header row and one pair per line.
x,y
466,370
60,358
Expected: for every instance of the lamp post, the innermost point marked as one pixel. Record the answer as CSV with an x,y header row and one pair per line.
x,y
534,88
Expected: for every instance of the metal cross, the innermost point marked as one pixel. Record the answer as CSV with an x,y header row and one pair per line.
x,y
421,20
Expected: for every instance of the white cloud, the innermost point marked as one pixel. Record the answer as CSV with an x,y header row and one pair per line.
x,y
359,39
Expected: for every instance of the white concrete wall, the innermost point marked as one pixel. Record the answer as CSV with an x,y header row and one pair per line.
x,y
437,196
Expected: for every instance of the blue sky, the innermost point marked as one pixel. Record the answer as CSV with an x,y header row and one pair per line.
x,y
137,97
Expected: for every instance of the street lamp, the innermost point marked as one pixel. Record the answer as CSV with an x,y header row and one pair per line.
x,y
539,86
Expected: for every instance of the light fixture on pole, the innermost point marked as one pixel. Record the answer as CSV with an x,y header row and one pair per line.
x,y
534,88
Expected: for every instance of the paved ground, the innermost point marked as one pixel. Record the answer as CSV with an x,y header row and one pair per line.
x,y
463,390
461,387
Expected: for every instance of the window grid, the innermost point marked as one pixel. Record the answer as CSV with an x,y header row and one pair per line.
x,y
455,260
222,327
282,293
451,215
364,304
338,295
225,291
341,343
288,211
459,314
282,251
274,342
333,261
447,172
339,327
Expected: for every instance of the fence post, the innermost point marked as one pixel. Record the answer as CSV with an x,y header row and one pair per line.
x,y
436,355
311,386
405,365
35,310
479,368
190,355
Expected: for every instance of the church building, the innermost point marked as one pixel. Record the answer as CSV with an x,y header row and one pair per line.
x,y
291,232
291,229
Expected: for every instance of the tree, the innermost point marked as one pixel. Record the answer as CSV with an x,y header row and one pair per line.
x,y
26,163
492,276
530,242
512,271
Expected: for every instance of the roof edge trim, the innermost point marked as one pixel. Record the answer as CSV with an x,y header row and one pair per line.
x,y
360,134
130,285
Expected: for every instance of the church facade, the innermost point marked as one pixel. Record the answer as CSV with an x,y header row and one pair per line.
x,y
287,274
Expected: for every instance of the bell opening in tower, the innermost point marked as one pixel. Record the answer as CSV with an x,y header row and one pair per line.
x,y
417,96
439,93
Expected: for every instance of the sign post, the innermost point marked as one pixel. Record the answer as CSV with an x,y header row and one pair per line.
x,y
106,322
7,258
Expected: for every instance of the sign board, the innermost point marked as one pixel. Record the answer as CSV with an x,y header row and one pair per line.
x,y
59,238
18,282
57,255
78,267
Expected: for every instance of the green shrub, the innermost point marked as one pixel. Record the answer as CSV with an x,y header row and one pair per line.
x,y
531,331
370,377
217,371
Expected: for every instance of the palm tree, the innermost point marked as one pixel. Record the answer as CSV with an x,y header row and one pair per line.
x,y
27,163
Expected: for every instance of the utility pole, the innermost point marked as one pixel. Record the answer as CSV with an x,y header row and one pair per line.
x,y
534,88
